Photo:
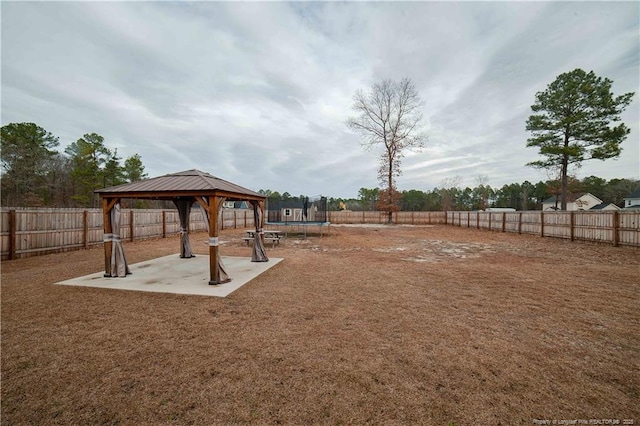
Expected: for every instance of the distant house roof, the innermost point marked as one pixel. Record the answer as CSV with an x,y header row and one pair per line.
x,y
552,200
602,206
633,207
186,183
570,198
286,204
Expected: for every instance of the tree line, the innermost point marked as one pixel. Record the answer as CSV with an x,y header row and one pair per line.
x,y
36,174
450,196
519,196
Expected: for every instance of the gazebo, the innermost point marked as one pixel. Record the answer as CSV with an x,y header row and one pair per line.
x,y
184,189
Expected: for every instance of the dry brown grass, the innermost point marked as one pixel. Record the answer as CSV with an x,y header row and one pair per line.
x,y
389,325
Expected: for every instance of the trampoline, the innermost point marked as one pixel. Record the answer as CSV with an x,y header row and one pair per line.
x,y
300,227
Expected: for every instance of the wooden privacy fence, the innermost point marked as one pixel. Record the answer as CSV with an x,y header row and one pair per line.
x,y
32,232
405,218
614,227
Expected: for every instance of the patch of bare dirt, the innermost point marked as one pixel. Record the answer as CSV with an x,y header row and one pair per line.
x,y
384,325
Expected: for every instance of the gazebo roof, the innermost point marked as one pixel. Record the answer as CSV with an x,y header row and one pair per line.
x,y
187,183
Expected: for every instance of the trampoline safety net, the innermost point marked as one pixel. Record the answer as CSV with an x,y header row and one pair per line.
x,y
302,209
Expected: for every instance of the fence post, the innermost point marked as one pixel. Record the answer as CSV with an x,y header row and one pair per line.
x,y
85,229
446,217
13,218
571,223
131,224
490,221
235,220
478,220
468,219
504,221
164,224
616,225
520,223
542,223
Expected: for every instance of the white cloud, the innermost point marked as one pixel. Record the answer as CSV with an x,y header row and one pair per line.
x,y
258,93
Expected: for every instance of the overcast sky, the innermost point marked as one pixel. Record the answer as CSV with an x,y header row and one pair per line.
x,y
258,93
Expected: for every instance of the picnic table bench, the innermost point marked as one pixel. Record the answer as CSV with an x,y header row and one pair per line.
x,y
272,236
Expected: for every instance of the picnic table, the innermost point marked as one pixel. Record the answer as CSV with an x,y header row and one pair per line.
x,y
269,235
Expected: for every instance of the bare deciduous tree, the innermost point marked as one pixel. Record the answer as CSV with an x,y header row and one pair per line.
x,y
389,114
483,189
449,191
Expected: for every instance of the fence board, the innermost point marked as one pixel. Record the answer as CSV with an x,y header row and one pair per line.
x,y
629,228
556,224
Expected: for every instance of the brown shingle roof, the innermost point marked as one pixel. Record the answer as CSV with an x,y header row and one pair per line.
x,y
175,184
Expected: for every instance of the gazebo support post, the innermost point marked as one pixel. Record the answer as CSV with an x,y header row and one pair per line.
x,y
214,267
262,219
107,205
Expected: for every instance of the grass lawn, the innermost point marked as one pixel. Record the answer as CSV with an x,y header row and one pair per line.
x,y
428,325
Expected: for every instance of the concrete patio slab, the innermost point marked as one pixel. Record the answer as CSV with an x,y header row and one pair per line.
x,y
171,274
